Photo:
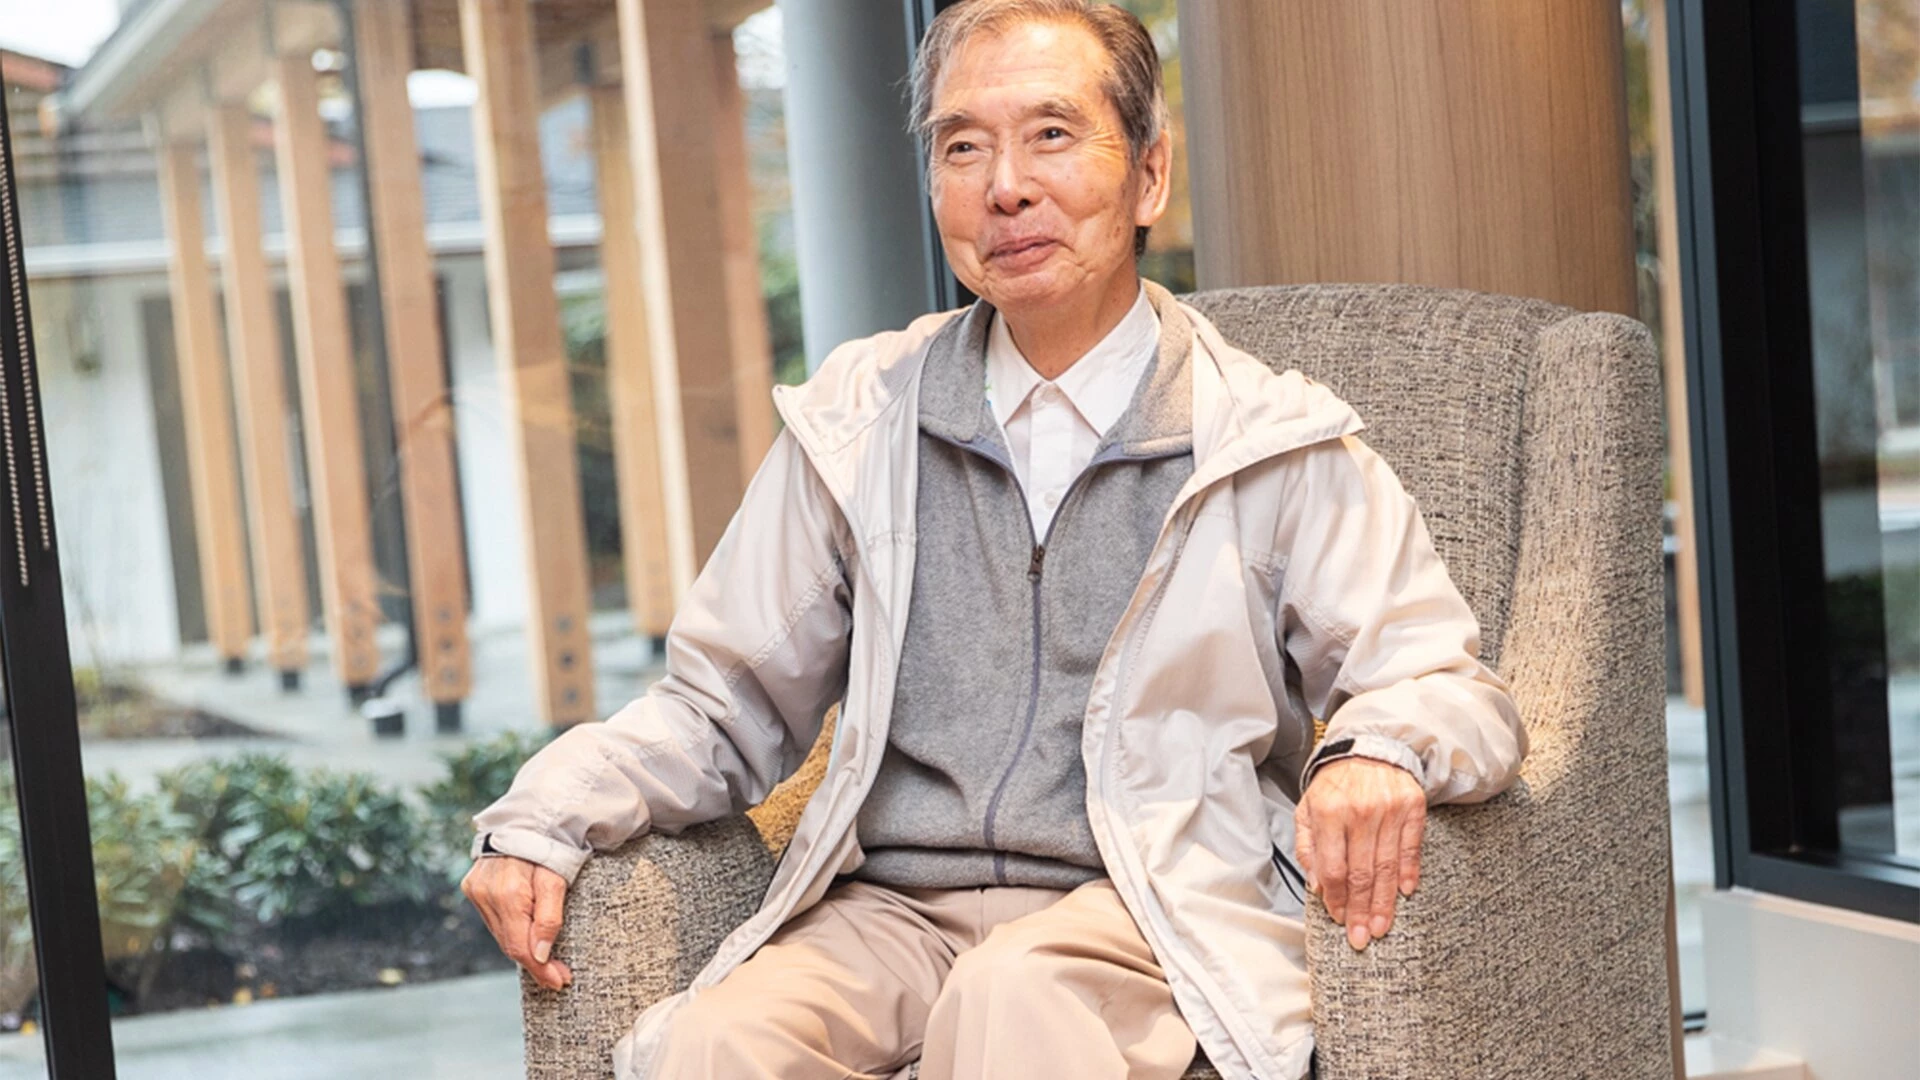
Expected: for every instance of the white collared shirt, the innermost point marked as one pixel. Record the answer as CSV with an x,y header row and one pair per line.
x,y
1053,427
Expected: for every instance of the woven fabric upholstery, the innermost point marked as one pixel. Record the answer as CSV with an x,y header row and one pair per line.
x,y
1530,435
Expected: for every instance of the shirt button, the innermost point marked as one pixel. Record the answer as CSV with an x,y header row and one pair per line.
x,y
1052,500
1046,395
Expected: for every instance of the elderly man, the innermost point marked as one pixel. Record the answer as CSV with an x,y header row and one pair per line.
x,y
1081,575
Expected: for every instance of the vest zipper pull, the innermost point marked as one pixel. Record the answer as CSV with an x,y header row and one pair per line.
x,y
1039,556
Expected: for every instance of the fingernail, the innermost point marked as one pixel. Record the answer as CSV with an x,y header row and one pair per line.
x,y
1379,927
1357,936
541,949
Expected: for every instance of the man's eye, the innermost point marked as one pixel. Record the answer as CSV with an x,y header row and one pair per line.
x,y
1054,133
958,148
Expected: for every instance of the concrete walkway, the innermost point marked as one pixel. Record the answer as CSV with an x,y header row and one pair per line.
x,y
459,1029
316,726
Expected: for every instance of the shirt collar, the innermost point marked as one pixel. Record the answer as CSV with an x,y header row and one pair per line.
x,y
1100,384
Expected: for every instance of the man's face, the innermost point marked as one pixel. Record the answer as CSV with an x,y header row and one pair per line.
x,y
1032,184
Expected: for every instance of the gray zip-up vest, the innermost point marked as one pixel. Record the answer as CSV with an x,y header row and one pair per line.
x,y
981,781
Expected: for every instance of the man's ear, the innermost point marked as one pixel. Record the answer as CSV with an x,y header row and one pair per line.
x,y
1156,181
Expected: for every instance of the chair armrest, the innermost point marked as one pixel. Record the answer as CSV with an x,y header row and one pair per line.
x,y
640,922
1536,944
643,919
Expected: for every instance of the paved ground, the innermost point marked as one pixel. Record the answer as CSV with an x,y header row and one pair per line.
x,y
460,1029
316,726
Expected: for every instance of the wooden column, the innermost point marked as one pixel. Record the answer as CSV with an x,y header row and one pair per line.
x,y
206,406
1473,145
496,36
324,351
423,411
636,433
253,339
740,248
667,69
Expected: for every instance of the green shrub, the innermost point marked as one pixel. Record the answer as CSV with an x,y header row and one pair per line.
x,y
143,852
252,841
297,845
476,776
18,976
206,793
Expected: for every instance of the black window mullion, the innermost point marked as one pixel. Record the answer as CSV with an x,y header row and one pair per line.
x,y
44,732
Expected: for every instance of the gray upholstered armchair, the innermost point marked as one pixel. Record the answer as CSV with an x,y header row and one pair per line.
x,y
1531,437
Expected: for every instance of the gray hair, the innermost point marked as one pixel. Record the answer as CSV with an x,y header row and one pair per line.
x,y
1132,79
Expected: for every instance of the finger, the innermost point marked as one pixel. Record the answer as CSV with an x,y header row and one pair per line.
x,y
1412,832
1303,847
549,901
1331,857
479,892
1359,899
513,902
1386,876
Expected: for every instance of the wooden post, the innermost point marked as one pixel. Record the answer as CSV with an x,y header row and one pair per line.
x,y
324,353
740,248
666,64
423,411
253,338
636,433
207,407
496,36
1482,146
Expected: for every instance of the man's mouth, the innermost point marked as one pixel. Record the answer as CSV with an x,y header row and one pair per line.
x,y
1023,250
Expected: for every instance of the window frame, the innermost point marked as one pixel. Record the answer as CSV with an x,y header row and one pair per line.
x,y
44,729
1744,262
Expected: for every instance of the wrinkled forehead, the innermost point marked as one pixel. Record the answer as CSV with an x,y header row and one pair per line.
x,y
1029,70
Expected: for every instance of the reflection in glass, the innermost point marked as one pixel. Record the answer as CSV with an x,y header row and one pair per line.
x,y
1860,119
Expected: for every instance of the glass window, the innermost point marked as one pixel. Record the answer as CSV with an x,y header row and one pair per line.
x,y
1651,165
1860,121
1169,258
22,1053
354,422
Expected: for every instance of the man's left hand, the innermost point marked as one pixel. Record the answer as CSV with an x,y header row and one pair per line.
x,y
1357,831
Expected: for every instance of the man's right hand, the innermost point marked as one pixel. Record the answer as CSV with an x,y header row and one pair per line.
x,y
521,902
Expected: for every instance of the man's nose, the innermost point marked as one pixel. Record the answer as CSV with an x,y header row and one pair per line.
x,y
1012,188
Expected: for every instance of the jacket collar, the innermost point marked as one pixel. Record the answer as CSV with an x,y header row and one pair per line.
x,y
1157,422
1240,410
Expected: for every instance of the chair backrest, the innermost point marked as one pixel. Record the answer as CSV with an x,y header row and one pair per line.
x,y
1440,377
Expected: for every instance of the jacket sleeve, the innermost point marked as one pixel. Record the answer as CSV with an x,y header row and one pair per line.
x,y
1386,648
756,655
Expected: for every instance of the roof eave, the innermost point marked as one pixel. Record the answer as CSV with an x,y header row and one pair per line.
x,y
122,64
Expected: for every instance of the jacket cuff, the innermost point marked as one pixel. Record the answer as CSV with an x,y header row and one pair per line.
x,y
1367,745
541,850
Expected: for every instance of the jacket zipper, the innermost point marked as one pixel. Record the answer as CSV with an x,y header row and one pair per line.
x,y
1036,566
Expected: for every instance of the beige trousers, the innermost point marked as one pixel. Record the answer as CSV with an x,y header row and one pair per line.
x,y
993,982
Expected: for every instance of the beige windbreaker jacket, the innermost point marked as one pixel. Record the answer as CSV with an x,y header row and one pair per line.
x,y
1293,578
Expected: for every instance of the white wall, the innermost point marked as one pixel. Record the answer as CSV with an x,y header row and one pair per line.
x,y
104,467
110,505
1837,990
489,468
